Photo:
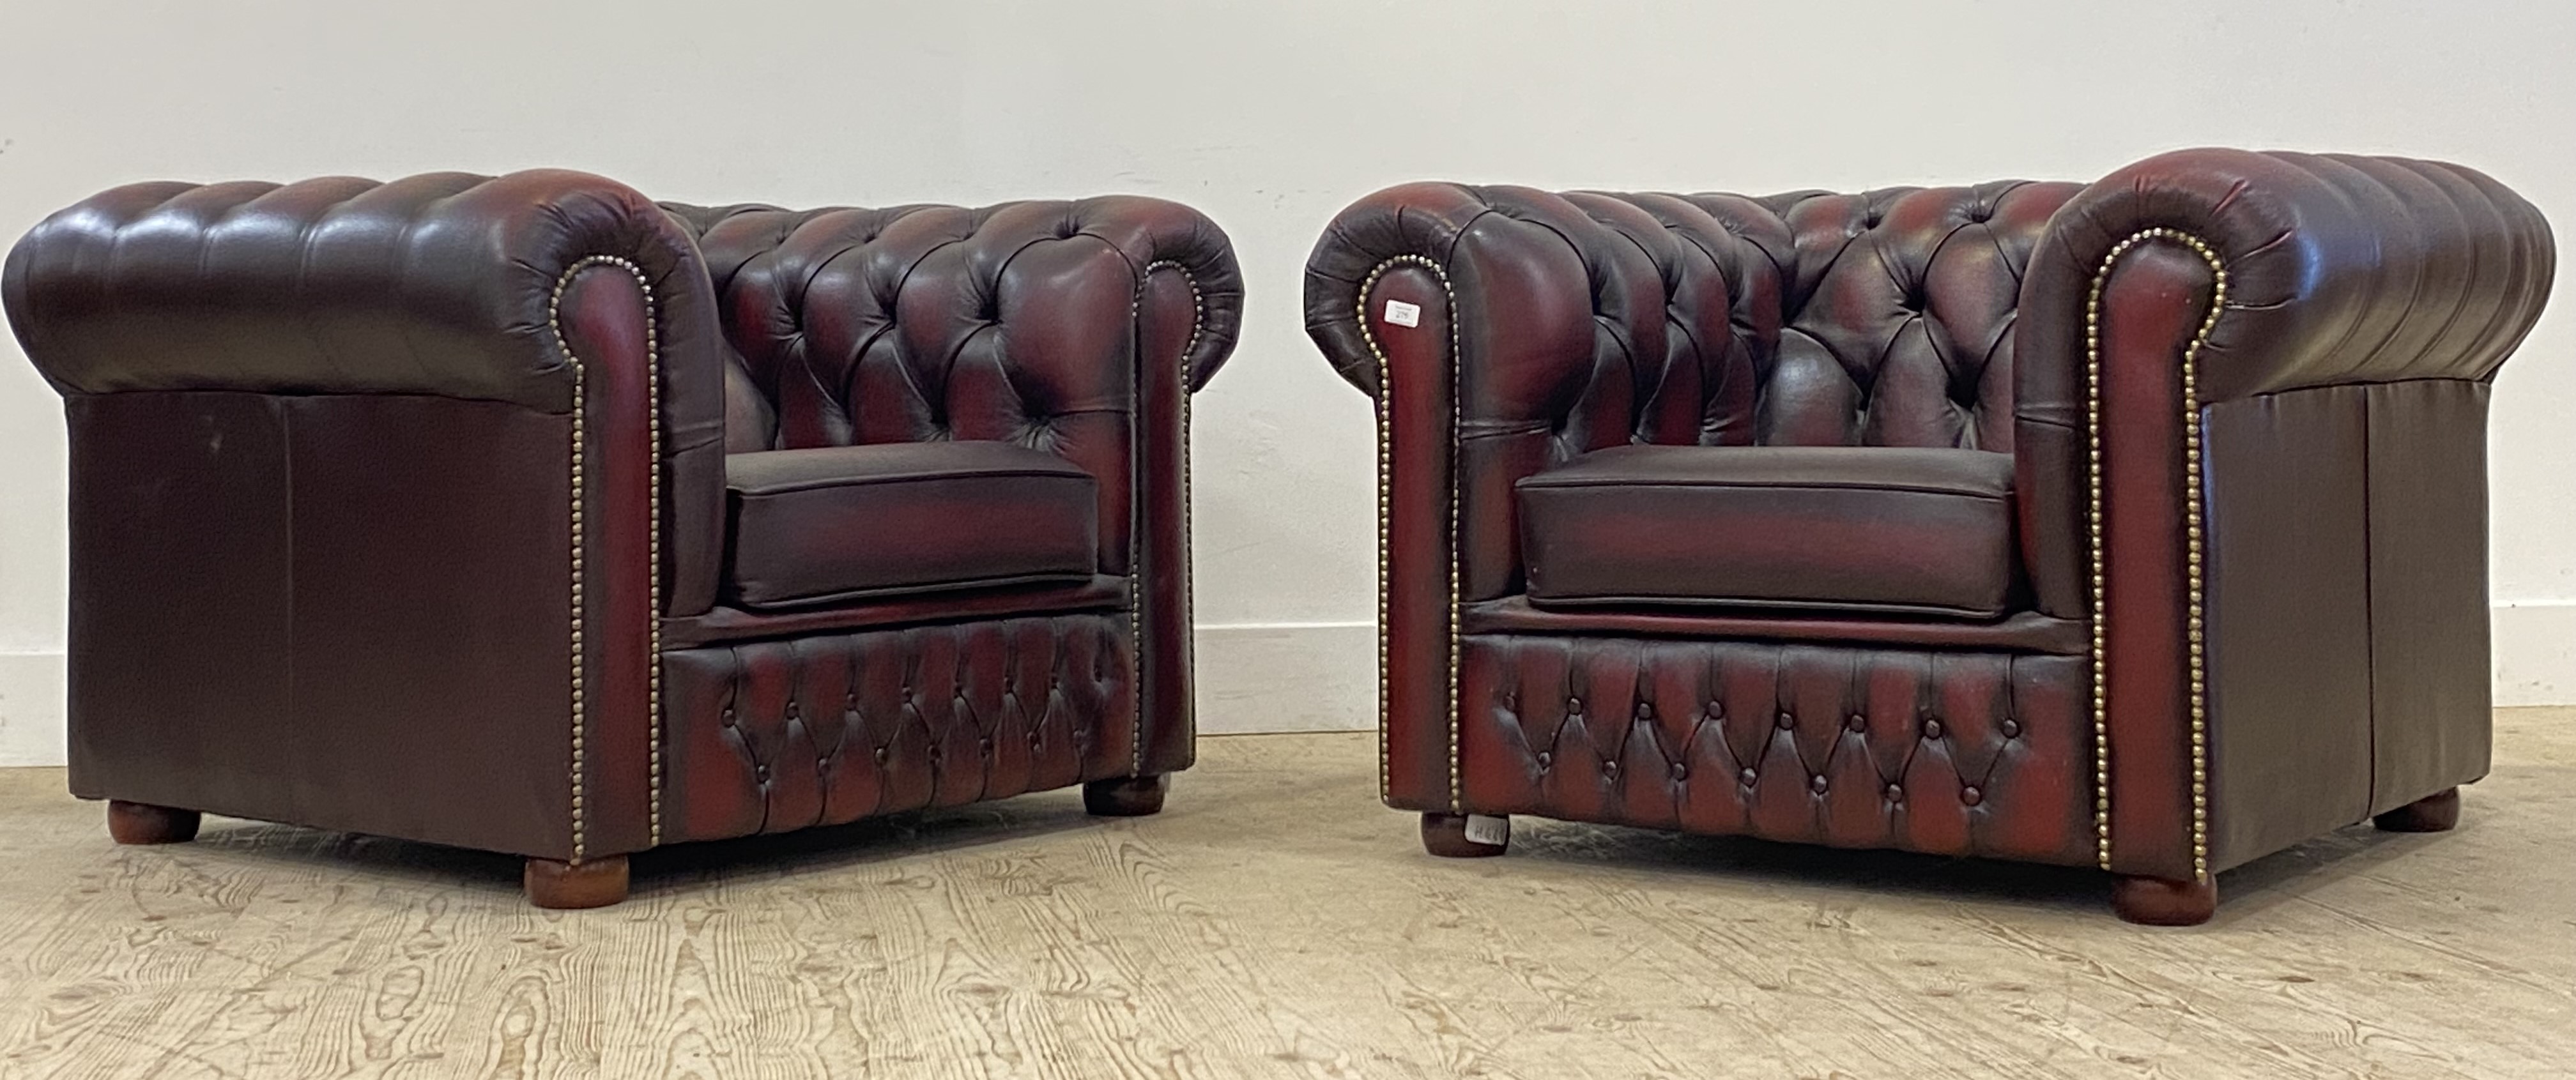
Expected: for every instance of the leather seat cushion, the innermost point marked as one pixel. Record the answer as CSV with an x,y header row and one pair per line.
x,y
844,523
1890,529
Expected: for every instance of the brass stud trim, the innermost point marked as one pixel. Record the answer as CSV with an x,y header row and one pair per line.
x,y
1385,508
2192,539
580,497
1135,537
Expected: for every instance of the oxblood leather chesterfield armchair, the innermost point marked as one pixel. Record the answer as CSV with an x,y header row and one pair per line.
x,y
2137,525
524,514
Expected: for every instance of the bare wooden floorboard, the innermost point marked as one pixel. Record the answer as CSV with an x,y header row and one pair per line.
x,y
1275,921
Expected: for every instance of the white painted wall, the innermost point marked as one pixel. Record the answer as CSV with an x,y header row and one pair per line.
x,y
1271,116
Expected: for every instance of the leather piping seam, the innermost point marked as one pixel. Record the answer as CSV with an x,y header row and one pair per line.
x,y
1385,507
1136,532
2192,533
653,659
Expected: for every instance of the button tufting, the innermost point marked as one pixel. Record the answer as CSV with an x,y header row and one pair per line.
x,y
1787,721
1817,785
1895,793
1645,711
1857,722
760,773
1573,706
1610,769
1681,771
1971,796
2012,729
881,755
1746,777
1715,710
985,745
793,711
1545,759
728,716
1932,729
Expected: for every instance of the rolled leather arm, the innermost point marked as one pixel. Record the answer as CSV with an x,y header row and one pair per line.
x,y
439,284
1502,332
2340,269
2246,385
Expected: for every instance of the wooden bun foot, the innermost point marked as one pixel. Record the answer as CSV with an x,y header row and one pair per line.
x,y
2438,812
1127,796
140,823
2150,901
1446,835
571,886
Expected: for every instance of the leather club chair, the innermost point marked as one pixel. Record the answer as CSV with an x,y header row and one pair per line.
x,y
2138,524
527,515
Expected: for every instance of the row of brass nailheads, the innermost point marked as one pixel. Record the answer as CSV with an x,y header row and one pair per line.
x,y
580,410
1385,507
2192,540
1135,536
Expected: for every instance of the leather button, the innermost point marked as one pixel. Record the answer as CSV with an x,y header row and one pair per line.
x,y
1610,769
1931,729
1715,710
881,755
1545,759
1787,721
1645,711
1681,771
1816,785
1746,777
1895,793
1857,722
985,745
793,711
2012,729
728,716
1573,706
1971,796
760,773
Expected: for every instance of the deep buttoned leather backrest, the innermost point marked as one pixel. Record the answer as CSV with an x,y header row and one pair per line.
x,y
1878,319
1012,323
1588,320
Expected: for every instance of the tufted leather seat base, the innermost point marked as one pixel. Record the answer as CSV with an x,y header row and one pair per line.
x,y
1910,530
846,523
1939,751
768,736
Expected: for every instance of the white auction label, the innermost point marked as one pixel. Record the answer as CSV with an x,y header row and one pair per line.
x,y
1488,829
1403,314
